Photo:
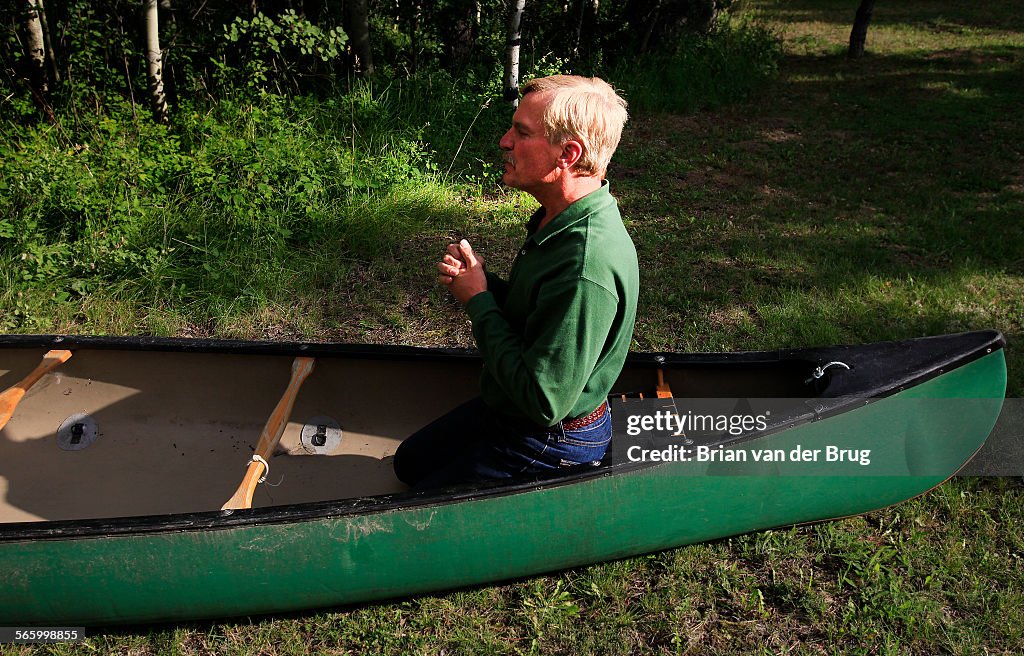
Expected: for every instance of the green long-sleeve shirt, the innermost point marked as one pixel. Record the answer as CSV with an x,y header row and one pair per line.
x,y
555,336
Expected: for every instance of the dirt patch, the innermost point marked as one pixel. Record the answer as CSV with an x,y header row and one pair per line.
x,y
655,128
620,172
780,135
771,192
732,317
1015,185
728,179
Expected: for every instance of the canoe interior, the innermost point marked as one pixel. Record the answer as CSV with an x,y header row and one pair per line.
x,y
178,420
176,430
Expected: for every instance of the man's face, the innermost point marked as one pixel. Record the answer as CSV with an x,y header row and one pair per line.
x,y
530,160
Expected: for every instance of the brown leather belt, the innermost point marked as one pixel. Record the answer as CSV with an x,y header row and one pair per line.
x,y
583,422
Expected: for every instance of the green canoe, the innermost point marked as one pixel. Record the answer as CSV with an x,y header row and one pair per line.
x,y
115,464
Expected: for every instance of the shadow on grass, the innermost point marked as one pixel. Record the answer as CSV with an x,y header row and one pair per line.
x,y
854,201
924,152
928,15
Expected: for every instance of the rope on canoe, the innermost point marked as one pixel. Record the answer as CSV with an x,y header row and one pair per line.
x,y
266,470
266,466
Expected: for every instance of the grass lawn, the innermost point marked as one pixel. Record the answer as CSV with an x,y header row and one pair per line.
x,y
849,201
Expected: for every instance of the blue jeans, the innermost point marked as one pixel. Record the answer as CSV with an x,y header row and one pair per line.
x,y
474,443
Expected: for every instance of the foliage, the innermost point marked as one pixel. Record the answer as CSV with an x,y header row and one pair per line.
x,y
211,48
215,204
272,51
217,208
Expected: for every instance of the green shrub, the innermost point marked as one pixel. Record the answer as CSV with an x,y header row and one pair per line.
x,y
218,206
274,53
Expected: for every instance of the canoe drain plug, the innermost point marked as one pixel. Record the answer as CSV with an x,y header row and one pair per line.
x,y
77,432
320,435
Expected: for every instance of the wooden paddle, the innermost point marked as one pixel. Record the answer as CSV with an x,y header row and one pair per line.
x,y
271,435
11,397
664,391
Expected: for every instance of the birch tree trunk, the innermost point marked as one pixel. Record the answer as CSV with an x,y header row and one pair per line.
x,y
581,17
859,33
154,63
515,35
51,61
36,50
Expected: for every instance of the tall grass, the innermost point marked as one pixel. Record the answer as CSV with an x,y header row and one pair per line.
x,y
230,202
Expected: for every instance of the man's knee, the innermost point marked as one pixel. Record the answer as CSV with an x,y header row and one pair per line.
x,y
405,465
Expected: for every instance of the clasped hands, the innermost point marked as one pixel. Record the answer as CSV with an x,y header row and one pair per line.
x,y
462,271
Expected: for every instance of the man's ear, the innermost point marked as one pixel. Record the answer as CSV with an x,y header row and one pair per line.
x,y
571,153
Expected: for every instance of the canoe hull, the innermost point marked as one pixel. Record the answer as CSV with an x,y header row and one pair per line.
x,y
352,555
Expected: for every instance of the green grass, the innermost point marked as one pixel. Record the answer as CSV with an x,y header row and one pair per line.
x,y
844,202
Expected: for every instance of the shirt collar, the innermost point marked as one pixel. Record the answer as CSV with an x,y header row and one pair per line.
x,y
579,210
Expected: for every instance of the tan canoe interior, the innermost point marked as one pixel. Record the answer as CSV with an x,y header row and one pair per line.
x,y
176,430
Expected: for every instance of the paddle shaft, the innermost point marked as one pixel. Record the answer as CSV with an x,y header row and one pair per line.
x,y
271,435
10,398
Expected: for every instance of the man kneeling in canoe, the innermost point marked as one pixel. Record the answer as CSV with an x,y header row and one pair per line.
x,y
554,336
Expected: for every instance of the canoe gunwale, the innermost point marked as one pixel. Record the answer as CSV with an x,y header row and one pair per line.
x,y
982,343
995,340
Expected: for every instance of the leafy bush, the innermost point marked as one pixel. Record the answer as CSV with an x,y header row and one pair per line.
x,y
273,53
219,204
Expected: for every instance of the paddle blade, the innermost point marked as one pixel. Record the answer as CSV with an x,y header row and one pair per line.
x,y
57,356
12,396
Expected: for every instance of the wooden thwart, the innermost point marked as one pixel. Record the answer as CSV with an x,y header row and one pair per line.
x,y
270,436
12,396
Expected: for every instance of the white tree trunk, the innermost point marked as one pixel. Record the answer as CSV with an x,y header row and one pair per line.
x,y
515,21
51,62
35,47
154,63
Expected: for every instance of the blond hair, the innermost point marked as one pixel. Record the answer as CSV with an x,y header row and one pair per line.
x,y
583,109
